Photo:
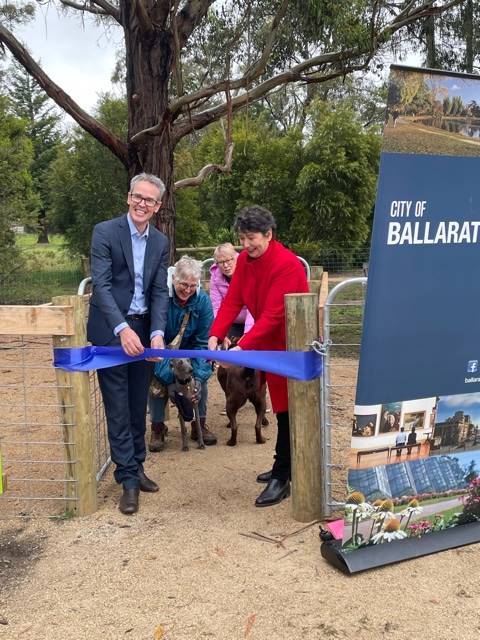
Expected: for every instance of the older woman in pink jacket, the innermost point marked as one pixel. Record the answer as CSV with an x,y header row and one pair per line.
x,y
221,273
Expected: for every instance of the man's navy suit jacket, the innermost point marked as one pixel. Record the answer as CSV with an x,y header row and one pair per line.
x,y
114,278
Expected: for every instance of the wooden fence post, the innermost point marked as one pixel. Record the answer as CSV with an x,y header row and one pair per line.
x,y
304,412
78,425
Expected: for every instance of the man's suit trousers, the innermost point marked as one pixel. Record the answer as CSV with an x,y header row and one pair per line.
x,y
125,392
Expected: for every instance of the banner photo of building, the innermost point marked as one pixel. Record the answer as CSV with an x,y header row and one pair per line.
x,y
414,466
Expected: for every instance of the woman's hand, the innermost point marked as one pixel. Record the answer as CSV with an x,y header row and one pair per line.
x,y
213,343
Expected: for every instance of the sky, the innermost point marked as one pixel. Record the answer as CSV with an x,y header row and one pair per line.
x,y
79,58
468,403
467,89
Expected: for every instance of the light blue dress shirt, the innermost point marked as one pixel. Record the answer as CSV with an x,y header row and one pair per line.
x,y
137,305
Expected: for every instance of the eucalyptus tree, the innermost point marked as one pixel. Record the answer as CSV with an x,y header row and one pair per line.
x,y
189,63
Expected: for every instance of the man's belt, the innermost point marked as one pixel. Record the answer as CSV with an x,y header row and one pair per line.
x,y
137,316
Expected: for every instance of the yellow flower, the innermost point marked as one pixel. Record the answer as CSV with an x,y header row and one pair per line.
x,y
387,505
392,525
356,498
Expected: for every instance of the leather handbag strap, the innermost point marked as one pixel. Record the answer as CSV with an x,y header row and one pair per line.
x,y
175,343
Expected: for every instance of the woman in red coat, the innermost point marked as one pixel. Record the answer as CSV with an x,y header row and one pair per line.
x,y
265,272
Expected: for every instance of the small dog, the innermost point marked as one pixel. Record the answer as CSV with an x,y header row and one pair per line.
x,y
183,394
239,385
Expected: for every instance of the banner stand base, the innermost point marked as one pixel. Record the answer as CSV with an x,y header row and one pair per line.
x,y
380,555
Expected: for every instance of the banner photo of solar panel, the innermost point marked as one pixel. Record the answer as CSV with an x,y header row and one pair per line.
x,y
414,466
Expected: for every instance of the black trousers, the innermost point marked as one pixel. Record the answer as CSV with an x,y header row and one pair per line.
x,y
125,392
281,465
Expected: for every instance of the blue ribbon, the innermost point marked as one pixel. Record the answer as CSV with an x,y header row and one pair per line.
x,y
299,365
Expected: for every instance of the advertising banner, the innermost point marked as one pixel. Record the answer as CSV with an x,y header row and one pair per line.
x,y
414,465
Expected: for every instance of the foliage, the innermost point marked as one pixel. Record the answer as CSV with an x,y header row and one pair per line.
x,y
335,188
450,41
183,60
29,102
471,508
15,186
190,228
45,270
265,165
87,183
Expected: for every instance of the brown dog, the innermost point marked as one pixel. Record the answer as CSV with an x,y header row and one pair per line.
x,y
239,385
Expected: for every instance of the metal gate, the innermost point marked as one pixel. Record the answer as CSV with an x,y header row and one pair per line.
x,y
342,323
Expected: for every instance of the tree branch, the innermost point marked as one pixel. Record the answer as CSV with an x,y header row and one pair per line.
x,y
109,8
257,68
92,126
208,169
177,63
252,73
84,7
190,17
298,72
142,15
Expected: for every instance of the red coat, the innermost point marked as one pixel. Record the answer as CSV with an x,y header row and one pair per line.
x,y
261,284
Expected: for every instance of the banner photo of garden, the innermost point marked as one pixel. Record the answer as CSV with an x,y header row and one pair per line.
x,y
414,466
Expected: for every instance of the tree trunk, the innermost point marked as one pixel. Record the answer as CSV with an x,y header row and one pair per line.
x,y
42,229
429,31
469,36
149,55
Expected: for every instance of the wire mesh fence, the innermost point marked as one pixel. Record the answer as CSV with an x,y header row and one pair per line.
x,y
46,271
36,442
37,272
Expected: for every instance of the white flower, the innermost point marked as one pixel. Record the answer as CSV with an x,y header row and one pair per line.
x,y
388,536
362,511
410,511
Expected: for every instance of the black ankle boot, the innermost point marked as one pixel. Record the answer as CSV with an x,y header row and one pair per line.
x,y
275,491
264,477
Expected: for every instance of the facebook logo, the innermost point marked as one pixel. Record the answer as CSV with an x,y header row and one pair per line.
x,y
472,366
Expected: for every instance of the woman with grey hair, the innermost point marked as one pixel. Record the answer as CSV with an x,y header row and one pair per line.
x,y
186,297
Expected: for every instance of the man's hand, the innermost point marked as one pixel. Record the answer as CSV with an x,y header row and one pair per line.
x,y
131,343
157,343
213,343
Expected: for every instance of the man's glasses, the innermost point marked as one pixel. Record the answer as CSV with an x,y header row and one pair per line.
x,y
187,285
224,262
136,198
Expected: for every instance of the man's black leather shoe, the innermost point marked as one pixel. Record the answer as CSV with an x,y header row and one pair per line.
x,y
146,484
264,477
129,501
275,491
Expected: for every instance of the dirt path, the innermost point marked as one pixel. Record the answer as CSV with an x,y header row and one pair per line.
x,y
189,566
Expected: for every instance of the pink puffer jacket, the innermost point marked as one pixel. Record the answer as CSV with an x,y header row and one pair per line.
x,y
218,290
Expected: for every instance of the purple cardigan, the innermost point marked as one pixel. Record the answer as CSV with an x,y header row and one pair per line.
x,y
218,290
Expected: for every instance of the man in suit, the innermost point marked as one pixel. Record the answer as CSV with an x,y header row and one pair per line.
x,y
128,307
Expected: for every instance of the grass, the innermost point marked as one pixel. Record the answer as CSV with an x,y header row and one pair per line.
x,y
408,138
447,514
47,270
346,321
